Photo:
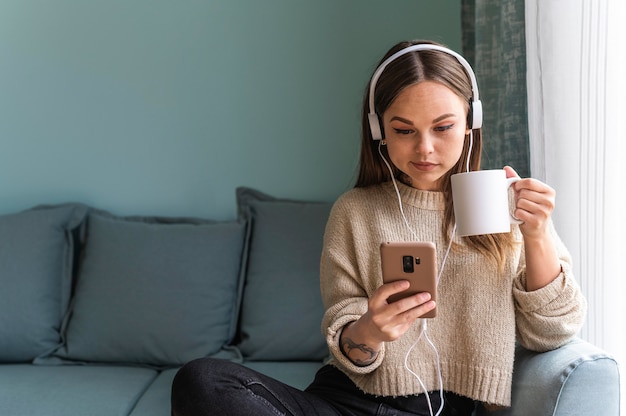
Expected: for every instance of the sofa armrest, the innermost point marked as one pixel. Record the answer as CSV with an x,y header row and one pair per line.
x,y
576,379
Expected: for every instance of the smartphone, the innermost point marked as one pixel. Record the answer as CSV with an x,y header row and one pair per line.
x,y
412,261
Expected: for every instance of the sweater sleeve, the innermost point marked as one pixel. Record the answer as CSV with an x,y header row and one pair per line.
x,y
549,317
344,293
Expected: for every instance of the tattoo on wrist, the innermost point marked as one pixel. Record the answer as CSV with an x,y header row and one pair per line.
x,y
359,354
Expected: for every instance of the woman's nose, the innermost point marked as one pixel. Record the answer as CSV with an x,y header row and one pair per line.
x,y
424,145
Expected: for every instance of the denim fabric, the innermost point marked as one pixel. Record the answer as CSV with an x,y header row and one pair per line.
x,y
218,387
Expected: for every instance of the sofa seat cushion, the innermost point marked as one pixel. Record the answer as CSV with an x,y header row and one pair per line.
x,y
154,291
36,256
156,400
282,307
30,390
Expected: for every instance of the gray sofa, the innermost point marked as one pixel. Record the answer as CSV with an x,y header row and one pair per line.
x,y
98,311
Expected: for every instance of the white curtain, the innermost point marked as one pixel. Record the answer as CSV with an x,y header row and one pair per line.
x,y
577,111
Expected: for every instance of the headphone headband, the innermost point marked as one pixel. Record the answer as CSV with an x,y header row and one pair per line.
x,y
476,108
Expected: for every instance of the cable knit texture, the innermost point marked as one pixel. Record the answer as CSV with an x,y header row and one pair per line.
x,y
480,311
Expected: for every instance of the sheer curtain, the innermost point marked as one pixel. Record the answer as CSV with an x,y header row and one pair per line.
x,y
577,107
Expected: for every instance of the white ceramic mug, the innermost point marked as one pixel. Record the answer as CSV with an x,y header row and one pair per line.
x,y
481,202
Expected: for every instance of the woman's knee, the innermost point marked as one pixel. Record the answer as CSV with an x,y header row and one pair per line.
x,y
192,385
203,372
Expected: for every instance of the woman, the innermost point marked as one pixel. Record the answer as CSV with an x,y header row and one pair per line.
x,y
492,288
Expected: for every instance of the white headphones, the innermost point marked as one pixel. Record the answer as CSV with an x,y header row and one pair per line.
x,y
476,108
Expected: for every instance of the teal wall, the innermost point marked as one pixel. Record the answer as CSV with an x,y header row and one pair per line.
x,y
165,107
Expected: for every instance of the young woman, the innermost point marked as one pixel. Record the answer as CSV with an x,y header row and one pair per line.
x,y
492,290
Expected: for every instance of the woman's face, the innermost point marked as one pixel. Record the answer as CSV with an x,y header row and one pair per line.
x,y
425,128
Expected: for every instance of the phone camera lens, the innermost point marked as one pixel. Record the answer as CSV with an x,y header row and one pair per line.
x,y
407,264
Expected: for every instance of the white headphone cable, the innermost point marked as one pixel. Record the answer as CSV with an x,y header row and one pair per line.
x,y
393,180
439,376
469,152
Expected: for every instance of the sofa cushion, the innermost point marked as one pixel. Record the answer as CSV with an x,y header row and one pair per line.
x,y
155,401
282,307
36,253
31,390
155,291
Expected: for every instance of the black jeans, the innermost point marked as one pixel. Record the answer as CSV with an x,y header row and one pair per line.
x,y
218,387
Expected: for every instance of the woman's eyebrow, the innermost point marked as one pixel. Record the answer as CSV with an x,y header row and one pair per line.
x,y
402,119
443,117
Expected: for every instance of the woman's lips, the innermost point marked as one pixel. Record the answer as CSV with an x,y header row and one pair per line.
x,y
424,166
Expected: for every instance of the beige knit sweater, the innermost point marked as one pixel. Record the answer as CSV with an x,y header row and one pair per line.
x,y
480,311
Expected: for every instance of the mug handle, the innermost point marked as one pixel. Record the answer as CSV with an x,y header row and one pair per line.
x,y
509,182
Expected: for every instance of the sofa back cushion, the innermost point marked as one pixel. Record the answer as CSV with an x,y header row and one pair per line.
x,y
282,307
154,291
36,255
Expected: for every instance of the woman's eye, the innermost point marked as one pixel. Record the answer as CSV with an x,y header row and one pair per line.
x,y
403,131
444,128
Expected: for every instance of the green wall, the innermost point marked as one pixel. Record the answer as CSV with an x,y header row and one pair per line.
x,y
165,107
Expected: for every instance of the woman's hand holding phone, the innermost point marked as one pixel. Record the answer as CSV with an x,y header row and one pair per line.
x,y
392,319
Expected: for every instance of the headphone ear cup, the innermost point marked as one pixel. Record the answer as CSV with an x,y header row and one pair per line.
x,y
475,115
377,133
